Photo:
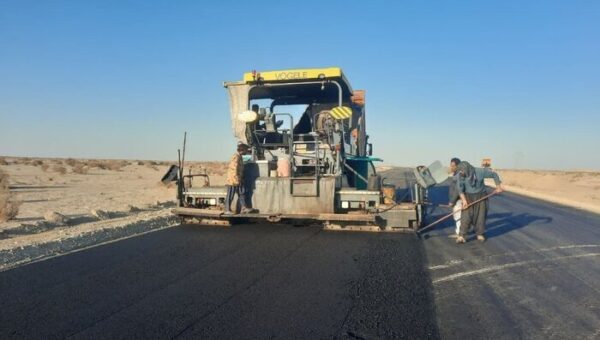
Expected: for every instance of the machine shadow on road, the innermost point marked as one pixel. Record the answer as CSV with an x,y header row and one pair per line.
x,y
502,223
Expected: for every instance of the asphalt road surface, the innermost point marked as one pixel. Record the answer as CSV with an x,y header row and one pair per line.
x,y
538,276
248,281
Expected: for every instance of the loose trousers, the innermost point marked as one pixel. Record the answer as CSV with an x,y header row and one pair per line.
x,y
474,215
240,190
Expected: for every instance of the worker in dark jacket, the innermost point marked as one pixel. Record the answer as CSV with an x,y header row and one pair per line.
x,y
471,187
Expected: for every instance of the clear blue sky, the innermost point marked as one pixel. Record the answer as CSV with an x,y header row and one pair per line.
x,y
515,81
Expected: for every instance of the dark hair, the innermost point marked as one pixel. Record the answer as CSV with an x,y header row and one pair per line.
x,y
455,160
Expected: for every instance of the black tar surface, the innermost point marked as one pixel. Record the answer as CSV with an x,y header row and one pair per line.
x,y
248,281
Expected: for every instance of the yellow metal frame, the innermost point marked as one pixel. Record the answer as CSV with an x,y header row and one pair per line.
x,y
294,74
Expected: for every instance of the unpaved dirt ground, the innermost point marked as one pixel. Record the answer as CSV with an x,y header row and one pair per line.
x,y
579,189
123,191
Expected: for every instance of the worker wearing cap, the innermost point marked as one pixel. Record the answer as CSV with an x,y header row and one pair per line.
x,y
471,187
454,198
235,181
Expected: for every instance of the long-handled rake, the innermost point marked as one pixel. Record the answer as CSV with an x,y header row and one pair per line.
x,y
443,218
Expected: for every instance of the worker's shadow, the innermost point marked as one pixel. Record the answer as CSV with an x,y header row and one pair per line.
x,y
502,223
497,223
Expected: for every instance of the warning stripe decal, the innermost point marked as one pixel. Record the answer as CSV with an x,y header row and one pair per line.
x,y
341,112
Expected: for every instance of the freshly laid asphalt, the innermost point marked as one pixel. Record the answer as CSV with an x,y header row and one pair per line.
x,y
537,276
248,281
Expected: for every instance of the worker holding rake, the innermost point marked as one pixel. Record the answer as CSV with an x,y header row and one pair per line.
x,y
471,188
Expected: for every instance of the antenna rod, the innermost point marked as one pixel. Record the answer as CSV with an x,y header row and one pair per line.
x,y
183,153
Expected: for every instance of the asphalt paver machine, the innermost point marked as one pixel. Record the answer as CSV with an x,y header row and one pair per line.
x,y
315,169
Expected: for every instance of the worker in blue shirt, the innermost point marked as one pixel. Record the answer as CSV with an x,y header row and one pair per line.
x,y
471,187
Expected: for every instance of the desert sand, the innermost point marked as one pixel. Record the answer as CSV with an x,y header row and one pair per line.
x,y
64,197
578,189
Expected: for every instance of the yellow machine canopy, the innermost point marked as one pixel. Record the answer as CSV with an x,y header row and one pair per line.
x,y
298,89
325,88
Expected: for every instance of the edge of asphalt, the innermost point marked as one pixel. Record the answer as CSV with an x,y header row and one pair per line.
x,y
115,231
120,229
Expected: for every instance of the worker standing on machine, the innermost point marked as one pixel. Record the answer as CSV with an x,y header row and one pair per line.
x,y
471,187
235,181
454,198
